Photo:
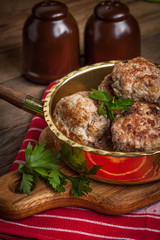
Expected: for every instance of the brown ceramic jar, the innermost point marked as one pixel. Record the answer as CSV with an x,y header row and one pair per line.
x,y
50,42
111,33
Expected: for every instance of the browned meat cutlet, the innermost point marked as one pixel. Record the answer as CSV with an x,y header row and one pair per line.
x,y
105,85
137,129
76,116
138,79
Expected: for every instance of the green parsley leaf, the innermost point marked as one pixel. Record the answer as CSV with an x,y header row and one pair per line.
x,y
42,163
108,103
57,181
22,167
39,155
41,171
93,170
26,183
152,0
101,109
28,152
80,185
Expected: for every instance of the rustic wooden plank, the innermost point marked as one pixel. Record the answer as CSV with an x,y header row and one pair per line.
x,y
10,64
147,15
150,45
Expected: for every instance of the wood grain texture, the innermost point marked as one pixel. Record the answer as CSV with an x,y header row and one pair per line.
x,y
13,13
105,198
12,96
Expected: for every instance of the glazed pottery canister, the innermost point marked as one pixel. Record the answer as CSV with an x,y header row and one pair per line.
x,y
50,42
111,33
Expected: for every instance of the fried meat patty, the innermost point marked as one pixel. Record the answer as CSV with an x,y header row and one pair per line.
x,y
105,85
137,129
138,79
76,116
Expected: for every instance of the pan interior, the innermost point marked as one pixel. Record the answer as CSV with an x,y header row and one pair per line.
x,y
83,79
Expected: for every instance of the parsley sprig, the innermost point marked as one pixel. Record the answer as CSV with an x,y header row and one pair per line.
x,y
109,103
42,163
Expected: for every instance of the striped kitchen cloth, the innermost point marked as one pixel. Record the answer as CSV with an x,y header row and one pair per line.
x,y
70,223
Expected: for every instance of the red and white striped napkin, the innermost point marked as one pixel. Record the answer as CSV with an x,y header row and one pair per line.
x,y
76,223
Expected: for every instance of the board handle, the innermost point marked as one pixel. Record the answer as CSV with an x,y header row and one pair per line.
x,y
15,205
21,100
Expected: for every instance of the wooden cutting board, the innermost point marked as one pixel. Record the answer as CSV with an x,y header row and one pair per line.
x,y
105,198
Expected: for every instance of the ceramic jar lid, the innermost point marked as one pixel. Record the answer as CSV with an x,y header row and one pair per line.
x,y
50,10
111,11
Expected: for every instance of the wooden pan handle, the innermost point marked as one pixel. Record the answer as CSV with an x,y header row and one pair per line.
x,y
22,100
12,96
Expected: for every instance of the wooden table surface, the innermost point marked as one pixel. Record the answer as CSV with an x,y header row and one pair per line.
x,y
14,122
